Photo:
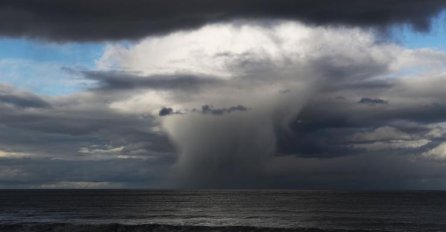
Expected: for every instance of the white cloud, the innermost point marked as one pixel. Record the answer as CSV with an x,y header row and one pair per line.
x,y
436,132
392,145
106,150
11,154
227,50
381,133
438,153
212,50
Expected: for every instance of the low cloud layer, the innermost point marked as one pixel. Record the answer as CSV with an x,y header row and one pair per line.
x,y
85,20
77,142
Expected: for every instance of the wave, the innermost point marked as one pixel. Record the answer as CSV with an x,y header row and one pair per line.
x,y
67,227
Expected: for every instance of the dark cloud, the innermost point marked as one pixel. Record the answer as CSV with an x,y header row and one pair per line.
x,y
84,20
205,109
23,101
372,101
208,109
166,111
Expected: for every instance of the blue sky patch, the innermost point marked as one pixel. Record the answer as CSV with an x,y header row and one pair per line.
x,y
38,66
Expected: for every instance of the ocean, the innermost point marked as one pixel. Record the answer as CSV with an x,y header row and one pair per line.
x,y
217,210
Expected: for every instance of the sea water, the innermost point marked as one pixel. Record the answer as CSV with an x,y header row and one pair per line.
x,y
218,210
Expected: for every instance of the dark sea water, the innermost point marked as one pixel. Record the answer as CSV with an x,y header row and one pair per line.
x,y
141,210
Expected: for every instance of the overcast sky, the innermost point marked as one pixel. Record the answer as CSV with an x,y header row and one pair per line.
x,y
307,94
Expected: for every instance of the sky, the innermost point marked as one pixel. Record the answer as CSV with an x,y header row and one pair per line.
x,y
345,94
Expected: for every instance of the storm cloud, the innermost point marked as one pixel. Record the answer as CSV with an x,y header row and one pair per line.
x,y
257,106
229,94
84,20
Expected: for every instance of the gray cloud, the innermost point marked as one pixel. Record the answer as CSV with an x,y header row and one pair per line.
x,y
322,130
20,99
65,144
111,80
83,20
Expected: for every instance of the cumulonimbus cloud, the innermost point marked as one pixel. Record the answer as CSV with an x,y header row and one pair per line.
x,y
302,86
276,105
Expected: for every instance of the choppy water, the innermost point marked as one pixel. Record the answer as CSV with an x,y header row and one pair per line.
x,y
141,210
